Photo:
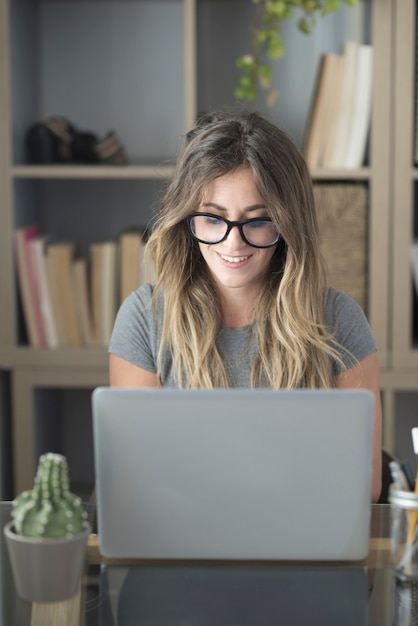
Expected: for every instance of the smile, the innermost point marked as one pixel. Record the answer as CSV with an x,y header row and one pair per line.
x,y
234,259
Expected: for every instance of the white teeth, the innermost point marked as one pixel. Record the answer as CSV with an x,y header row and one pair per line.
x,y
234,259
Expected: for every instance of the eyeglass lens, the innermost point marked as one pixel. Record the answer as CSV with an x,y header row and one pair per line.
x,y
212,229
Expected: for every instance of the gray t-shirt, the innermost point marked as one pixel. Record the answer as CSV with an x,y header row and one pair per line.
x,y
136,336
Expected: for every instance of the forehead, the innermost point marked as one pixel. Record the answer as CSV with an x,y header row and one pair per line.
x,y
234,187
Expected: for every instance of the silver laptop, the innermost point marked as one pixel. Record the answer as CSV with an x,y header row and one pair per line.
x,y
233,474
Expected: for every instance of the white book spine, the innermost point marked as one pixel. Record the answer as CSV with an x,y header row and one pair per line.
x,y
346,105
360,123
37,249
108,291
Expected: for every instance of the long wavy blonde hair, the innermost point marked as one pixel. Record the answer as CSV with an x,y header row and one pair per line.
x,y
295,349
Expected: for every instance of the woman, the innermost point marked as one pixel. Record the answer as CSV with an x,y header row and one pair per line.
x,y
241,297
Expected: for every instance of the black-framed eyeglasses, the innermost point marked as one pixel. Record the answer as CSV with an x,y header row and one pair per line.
x,y
259,232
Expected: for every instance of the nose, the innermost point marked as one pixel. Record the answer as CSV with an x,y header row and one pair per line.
x,y
234,237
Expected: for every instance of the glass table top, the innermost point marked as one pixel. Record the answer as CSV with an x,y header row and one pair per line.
x,y
228,594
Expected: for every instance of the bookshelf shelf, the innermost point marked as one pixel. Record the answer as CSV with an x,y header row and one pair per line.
x,y
151,172
80,358
363,173
85,357
92,172
405,216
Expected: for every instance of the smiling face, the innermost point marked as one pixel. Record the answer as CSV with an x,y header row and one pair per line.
x,y
235,266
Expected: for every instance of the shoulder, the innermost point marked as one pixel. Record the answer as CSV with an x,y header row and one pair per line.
x,y
339,304
137,329
141,301
341,310
142,296
137,312
348,324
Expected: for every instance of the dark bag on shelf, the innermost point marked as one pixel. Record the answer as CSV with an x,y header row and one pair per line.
x,y
55,140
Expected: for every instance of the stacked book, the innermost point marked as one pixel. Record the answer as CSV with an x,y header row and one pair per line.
x,y
339,119
72,301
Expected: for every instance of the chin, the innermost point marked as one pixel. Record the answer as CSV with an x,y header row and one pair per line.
x,y
235,282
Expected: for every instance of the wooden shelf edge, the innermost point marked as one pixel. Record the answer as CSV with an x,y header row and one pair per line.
x,y
91,171
379,545
363,173
84,358
399,378
406,359
150,171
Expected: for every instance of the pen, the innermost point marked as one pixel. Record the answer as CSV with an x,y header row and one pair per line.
x,y
398,475
409,475
415,446
413,521
407,557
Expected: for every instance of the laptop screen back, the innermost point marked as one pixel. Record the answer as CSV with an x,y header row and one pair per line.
x,y
233,474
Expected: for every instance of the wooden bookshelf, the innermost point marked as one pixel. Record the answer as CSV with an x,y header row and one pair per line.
x,y
184,64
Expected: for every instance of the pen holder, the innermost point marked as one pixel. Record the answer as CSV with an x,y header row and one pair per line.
x,y
404,532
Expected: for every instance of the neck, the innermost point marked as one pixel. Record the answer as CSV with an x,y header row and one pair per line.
x,y
237,309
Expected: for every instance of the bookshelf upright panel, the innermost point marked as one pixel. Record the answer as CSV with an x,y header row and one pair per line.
x,y
7,280
405,190
380,174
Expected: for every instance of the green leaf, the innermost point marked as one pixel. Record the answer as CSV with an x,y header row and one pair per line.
x,y
330,6
239,93
246,81
275,47
260,36
304,26
245,94
245,62
276,10
271,97
264,82
309,6
264,70
264,75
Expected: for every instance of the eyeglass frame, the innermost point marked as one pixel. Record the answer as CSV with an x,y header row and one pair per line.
x,y
230,225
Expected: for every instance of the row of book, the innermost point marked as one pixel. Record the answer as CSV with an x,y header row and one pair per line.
x,y
340,112
69,300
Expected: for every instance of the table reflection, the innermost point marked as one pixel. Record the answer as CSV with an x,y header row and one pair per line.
x,y
232,595
405,603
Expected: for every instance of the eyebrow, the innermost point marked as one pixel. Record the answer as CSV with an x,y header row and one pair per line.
x,y
248,209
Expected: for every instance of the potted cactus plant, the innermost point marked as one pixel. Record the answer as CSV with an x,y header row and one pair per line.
x,y
47,536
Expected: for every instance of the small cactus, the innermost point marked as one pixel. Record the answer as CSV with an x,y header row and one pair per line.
x,y
49,510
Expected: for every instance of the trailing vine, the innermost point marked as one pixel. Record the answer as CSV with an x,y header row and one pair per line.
x,y
267,41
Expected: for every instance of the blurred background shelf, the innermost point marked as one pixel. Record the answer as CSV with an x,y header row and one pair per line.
x,y
156,66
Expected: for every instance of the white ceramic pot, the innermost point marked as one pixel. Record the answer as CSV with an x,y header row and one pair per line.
x,y
46,570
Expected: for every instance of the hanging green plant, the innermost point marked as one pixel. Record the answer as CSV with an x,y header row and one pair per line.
x,y
267,41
